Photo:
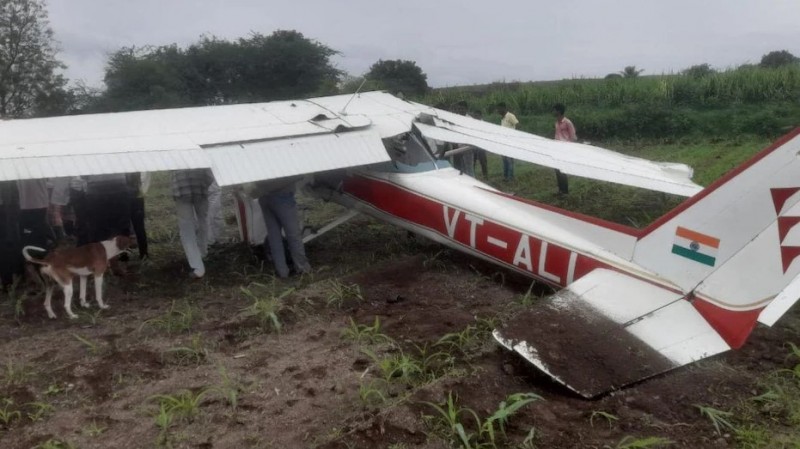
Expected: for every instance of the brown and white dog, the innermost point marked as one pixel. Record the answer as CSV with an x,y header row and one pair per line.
x,y
63,264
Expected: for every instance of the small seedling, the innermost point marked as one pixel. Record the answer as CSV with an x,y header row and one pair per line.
x,y
530,440
604,415
339,292
450,416
94,429
370,394
90,346
265,307
163,419
718,417
194,353
228,389
507,408
363,334
16,374
8,414
177,319
183,404
38,410
398,367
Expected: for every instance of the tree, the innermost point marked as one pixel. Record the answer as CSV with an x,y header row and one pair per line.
x,y
29,82
613,76
631,72
699,71
399,76
282,65
778,59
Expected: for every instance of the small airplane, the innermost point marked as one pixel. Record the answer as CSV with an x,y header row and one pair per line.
x,y
632,303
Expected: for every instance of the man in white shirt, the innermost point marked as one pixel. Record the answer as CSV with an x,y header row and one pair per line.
x,y
508,120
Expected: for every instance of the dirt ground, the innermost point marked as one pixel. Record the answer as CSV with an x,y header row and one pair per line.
x,y
95,382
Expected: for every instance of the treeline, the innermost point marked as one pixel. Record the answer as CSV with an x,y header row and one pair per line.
x,y
750,100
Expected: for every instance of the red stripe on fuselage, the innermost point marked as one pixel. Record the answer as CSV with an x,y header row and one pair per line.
x,y
541,259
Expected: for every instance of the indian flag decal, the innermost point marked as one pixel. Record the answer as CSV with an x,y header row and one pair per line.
x,y
696,246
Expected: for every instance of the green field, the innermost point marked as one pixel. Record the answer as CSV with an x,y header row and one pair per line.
x,y
746,101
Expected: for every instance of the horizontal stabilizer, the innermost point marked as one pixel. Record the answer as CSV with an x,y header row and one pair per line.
x,y
782,303
608,330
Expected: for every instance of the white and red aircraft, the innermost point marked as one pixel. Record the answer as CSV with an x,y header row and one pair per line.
x,y
633,302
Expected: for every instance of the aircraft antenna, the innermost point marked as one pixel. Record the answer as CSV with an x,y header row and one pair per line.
x,y
354,95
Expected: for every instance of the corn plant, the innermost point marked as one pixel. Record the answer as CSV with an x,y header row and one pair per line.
x,y
363,334
194,353
511,405
397,367
795,353
718,417
462,341
228,388
371,394
38,410
450,416
179,318
604,415
8,414
265,307
339,292
93,429
16,374
183,404
90,346
164,419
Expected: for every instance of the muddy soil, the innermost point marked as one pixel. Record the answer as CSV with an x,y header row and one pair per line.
x,y
303,387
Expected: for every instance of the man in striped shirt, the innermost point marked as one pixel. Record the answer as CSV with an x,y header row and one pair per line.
x,y
190,191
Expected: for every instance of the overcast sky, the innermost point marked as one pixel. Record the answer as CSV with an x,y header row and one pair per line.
x,y
455,42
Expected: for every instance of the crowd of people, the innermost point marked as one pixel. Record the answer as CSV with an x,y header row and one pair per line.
x,y
46,213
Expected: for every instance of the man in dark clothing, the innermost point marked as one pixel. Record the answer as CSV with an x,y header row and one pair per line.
x,y
108,202
11,264
136,193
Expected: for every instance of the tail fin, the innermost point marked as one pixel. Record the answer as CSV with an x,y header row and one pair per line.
x,y
735,244
30,258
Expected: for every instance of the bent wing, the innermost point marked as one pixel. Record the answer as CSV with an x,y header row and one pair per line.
x,y
572,158
608,330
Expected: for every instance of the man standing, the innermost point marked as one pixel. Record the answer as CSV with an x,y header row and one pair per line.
x,y
280,216
465,160
34,202
138,183
190,191
480,155
508,120
565,131
11,261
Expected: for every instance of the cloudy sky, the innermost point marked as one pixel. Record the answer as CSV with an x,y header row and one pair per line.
x,y
455,42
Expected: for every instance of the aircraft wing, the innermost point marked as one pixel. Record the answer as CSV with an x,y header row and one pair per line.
x,y
569,157
278,139
242,143
608,330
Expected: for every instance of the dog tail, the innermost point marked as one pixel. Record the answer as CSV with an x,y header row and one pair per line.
x,y
30,258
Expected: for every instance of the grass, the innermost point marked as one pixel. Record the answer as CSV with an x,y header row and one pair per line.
x,y
340,292
608,417
179,318
364,334
719,418
8,413
463,426
184,404
194,353
265,306
91,347
14,374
